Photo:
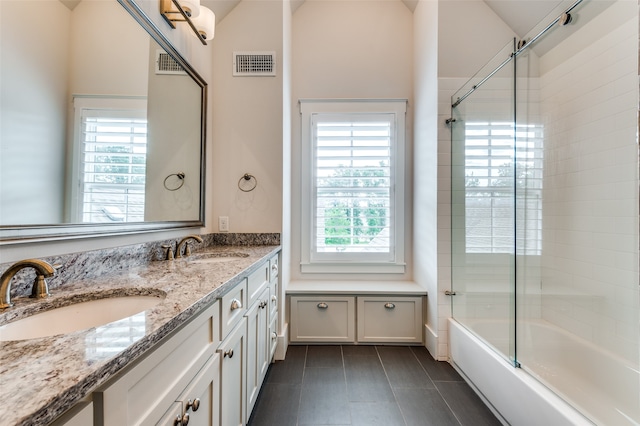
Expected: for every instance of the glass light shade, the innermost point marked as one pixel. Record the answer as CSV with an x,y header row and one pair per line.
x,y
205,23
191,7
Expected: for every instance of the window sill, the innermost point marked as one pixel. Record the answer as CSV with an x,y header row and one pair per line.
x,y
356,287
352,268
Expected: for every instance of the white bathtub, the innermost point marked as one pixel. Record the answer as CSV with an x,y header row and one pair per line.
x,y
564,362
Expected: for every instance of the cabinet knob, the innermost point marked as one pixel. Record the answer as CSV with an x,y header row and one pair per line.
x,y
228,353
322,305
274,335
389,305
193,404
274,299
181,420
235,304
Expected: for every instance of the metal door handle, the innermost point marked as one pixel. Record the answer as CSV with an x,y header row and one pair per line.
x,y
228,353
389,305
322,305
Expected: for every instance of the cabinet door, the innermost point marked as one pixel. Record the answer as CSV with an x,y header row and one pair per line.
x,y
322,319
389,319
257,347
232,376
201,399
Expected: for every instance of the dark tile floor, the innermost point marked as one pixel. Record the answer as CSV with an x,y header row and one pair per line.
x,y
366,385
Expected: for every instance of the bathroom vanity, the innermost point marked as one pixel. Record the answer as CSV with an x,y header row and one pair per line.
x,y
199,356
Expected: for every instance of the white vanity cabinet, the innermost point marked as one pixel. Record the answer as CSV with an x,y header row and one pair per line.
x,y
144,392
209,372
80,415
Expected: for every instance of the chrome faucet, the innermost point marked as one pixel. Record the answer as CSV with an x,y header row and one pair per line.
x,y
40,289
185,242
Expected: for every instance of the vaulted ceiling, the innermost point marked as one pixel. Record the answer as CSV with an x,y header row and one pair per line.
x,y
520,15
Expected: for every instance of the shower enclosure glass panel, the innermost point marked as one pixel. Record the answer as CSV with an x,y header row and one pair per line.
x,y
545,207
483,204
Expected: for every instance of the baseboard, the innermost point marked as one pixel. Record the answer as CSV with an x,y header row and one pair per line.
x,y
283,343
431,341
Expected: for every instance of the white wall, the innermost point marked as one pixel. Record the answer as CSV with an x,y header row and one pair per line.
x,y
248,121
589,97
425,230
350,49
469,34
33,115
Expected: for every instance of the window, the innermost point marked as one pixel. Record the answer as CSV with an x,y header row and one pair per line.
x,y
492,207
353,198
111,152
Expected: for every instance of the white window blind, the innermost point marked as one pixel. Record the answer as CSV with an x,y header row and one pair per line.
x,y
353,184
503,186
113,165
352,172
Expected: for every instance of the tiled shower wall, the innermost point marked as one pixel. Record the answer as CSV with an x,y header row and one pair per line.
x,y
589,97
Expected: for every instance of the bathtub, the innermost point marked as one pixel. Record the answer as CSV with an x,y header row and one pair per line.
x,y
549,355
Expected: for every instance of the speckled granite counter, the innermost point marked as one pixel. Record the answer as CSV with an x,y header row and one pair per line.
x,y
42,378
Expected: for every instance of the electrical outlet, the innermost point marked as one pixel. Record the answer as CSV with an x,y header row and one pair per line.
x,y
223,223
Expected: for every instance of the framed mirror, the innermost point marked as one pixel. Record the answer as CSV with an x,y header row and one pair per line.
x,y
102,123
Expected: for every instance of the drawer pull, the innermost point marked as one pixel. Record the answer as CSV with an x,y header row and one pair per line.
x,y
389,305
235,304
274,267
228,353
193,404
322,305
185,420
177,421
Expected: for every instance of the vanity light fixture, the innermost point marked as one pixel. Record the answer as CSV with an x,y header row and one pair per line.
x,y
202,20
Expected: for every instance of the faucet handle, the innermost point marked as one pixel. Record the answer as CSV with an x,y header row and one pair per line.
x,y
40,288
187,249
169,248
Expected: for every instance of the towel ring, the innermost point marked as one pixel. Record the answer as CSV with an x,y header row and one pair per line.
x,y
178,185
247,183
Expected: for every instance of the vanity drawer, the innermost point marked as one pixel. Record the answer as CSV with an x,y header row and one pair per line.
x,y
389,319
322,319
273,268
258,281
232,307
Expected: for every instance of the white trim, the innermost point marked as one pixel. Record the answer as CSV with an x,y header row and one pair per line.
x,y
310,107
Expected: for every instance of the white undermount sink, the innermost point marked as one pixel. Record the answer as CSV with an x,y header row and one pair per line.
x,y
78,316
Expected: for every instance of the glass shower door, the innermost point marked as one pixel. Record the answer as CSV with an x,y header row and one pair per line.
x,y
484,204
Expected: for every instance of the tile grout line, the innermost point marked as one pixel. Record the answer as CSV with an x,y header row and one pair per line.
x,y
436,388
393,391
304,369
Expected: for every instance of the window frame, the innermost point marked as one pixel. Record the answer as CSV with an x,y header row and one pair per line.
x,y
137,105
353,262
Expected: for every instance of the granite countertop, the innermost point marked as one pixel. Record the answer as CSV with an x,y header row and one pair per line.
x,y
42,378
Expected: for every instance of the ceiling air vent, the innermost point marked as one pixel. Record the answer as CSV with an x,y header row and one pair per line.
x,y
252,64
165,64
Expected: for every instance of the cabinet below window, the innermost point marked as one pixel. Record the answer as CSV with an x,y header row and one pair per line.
x,y
378,316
